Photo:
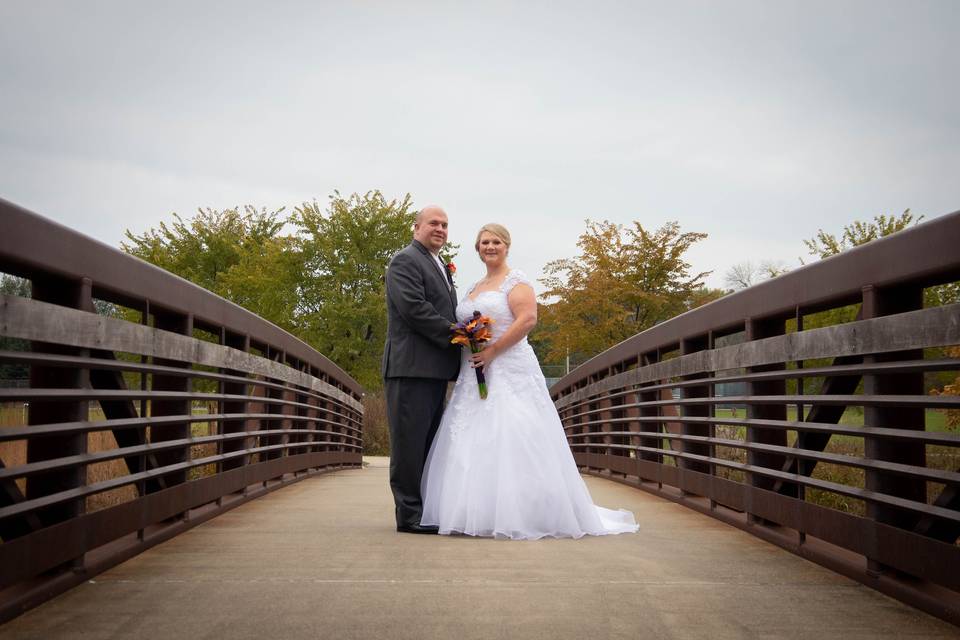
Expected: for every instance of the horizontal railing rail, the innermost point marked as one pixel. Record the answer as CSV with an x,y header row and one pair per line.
x,y
831,442
165,409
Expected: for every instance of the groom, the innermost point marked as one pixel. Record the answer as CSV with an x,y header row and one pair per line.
x,y
418,359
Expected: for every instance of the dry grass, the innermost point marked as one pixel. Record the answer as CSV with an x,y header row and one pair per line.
x,y
13,414
104,441
206,450
376,441
938,457
733,454
14,453
376,431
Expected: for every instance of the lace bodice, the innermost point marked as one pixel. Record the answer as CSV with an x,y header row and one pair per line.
x,y
519,359
515,372
493,303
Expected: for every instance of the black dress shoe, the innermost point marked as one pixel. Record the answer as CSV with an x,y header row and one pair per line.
x,y
417,528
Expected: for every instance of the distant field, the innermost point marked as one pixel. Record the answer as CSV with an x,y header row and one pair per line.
x,y
938,457
15,453
936,419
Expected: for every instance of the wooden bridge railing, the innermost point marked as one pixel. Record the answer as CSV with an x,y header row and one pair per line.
x,y
825,441
142,422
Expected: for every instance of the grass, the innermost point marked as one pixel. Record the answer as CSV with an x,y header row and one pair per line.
x,y
935,419
376,432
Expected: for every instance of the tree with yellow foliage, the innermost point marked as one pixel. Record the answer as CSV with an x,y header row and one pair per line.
x,y
625,280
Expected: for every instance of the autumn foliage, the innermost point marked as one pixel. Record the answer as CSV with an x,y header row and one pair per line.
x,y
626,279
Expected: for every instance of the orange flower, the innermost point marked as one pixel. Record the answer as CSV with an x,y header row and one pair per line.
x,y
470,334
483,335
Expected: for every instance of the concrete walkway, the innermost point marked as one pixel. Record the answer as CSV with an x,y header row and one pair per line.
x,y
320,559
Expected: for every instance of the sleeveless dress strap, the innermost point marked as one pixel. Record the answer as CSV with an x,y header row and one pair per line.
x,y
514,278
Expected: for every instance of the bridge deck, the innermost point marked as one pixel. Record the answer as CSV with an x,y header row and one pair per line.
x,y
321,559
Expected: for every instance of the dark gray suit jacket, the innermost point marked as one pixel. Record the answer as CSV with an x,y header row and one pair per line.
x,y
420,310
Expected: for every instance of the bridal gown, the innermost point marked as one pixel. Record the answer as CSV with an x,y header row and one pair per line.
x,y
501,467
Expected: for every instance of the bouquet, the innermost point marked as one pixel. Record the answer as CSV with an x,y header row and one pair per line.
x,y
472,333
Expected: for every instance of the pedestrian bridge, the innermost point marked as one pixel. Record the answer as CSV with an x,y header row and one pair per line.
x,y
189,468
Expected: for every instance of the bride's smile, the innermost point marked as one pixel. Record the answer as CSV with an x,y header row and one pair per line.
x,y
492,249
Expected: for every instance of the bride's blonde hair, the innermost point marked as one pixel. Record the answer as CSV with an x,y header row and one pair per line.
x,y
496,229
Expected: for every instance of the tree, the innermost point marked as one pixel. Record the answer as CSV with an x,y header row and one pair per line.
x,y
746,274
204,248
704,295
824,245
857,233
266,278
237,254
14,286
324,283
345,251
625,280
742,275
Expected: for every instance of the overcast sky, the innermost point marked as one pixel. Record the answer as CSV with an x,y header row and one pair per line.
x,y
755,122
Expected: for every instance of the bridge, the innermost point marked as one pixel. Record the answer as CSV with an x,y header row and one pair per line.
x,y
820,500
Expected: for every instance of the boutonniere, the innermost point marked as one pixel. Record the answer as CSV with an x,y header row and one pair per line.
x,y
448,265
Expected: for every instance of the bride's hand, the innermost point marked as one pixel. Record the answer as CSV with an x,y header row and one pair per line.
x,y
482,359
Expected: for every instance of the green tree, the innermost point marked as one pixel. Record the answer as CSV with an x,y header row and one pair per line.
x,y
704,295
237,254
14,286
324,283
204,248
345,250
824,244
625,280
266,278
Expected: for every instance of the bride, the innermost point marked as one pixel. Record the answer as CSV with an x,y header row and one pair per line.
x,y
501,466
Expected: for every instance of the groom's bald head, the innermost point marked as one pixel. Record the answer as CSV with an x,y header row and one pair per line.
x,y
426,211
430,227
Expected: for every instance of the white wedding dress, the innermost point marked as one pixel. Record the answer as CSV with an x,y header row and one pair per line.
x,y
501,467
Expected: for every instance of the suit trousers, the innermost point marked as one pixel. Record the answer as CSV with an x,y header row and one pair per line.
x,y
414,409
